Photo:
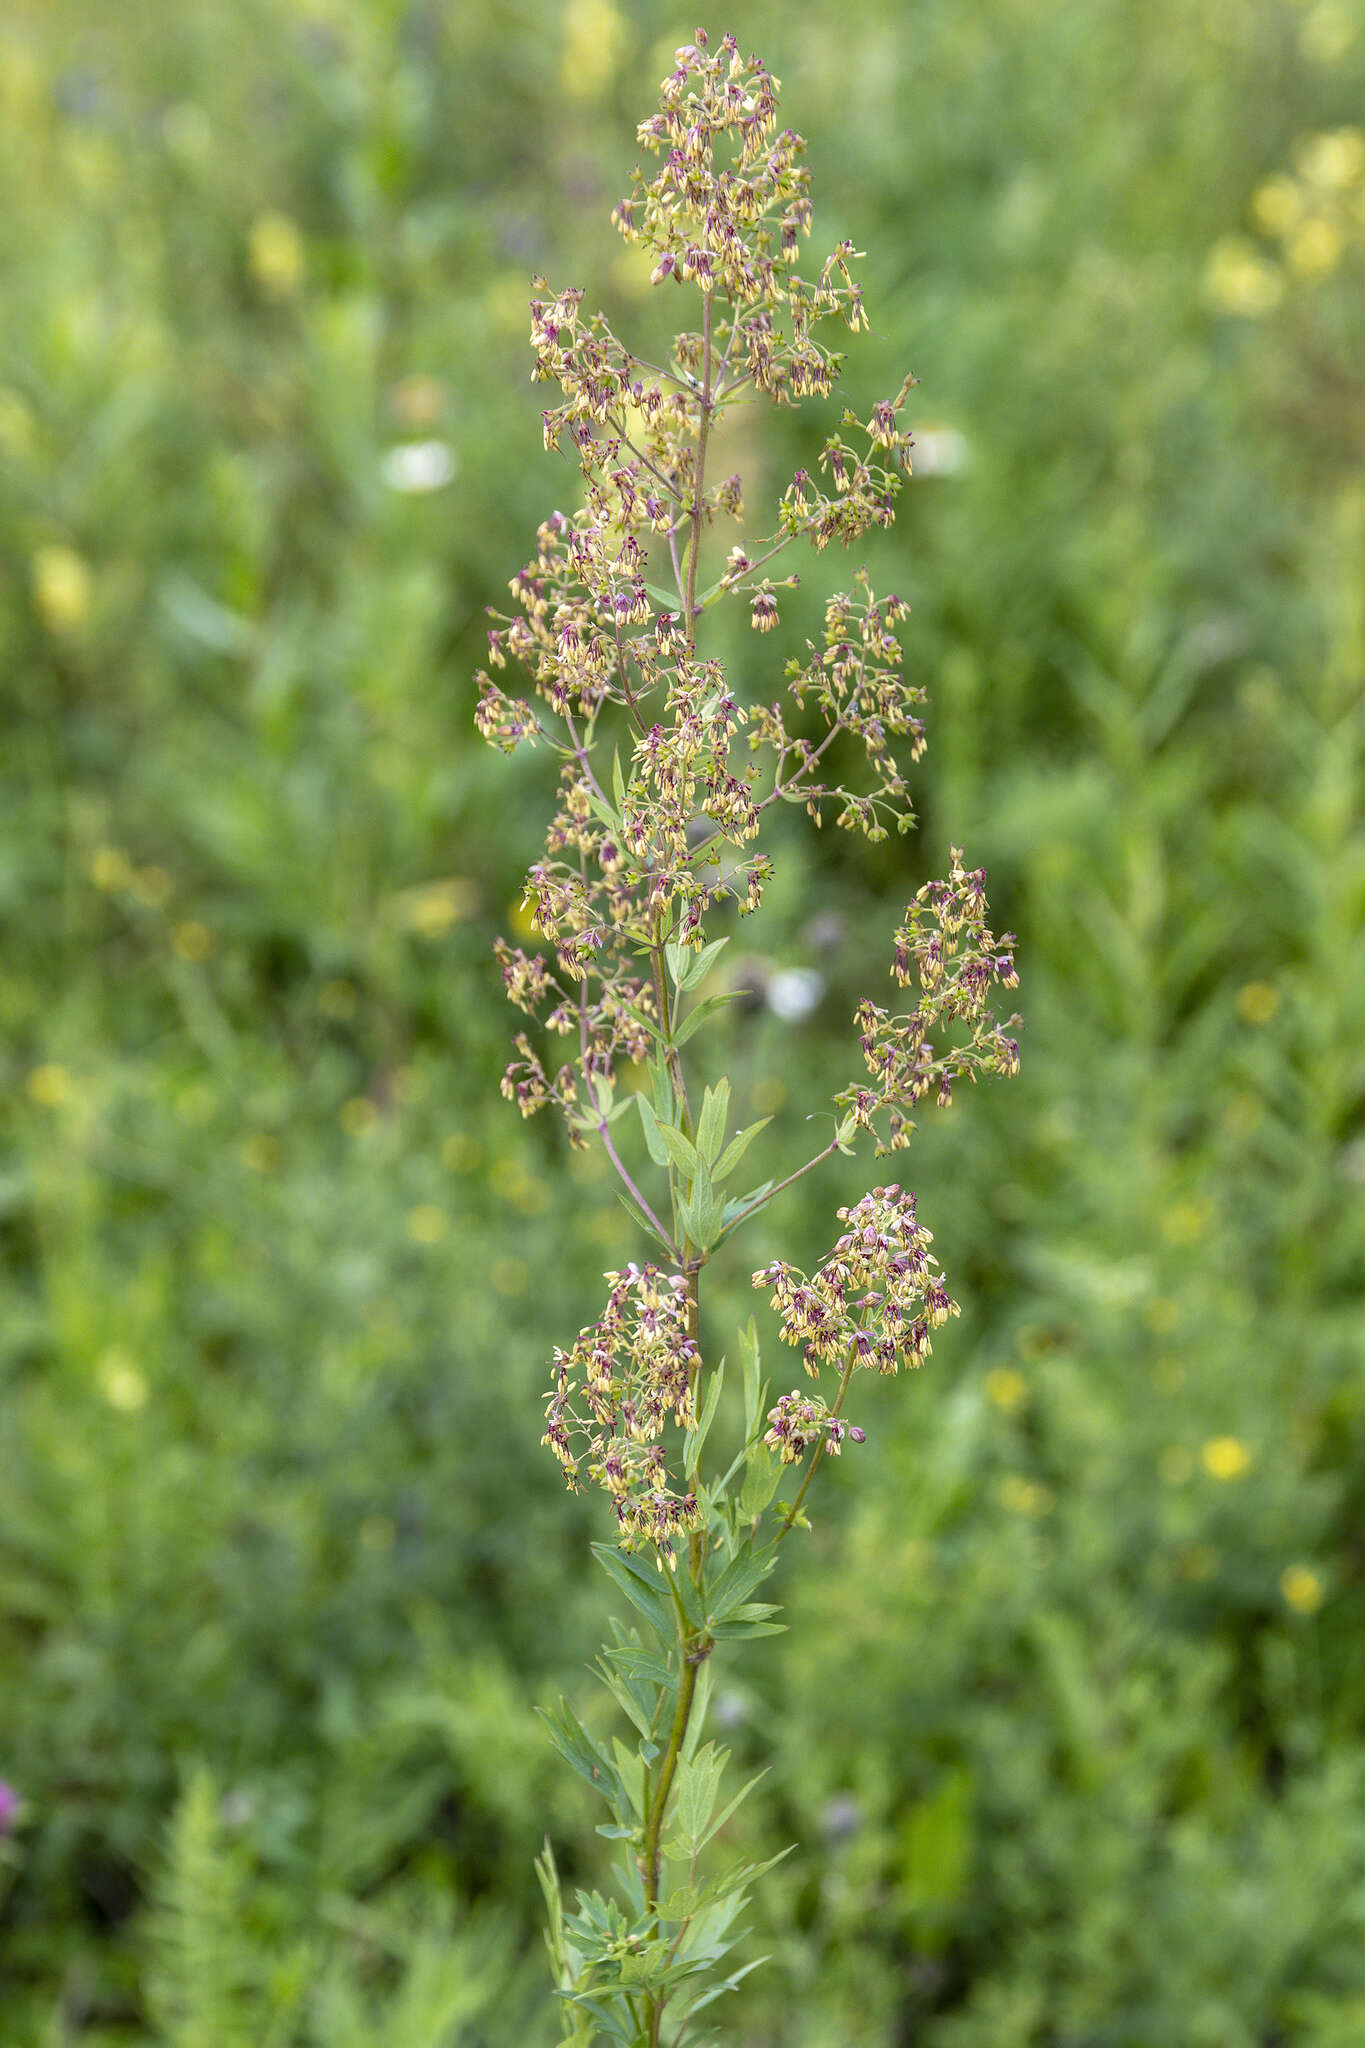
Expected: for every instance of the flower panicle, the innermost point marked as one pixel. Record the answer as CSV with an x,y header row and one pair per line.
x,y
630,1374
802,1420
875,1298
945,946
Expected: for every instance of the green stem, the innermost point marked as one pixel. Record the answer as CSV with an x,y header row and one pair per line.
x,y
692,1649
699,478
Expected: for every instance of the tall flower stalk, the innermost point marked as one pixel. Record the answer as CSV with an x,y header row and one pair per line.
x,y
668,774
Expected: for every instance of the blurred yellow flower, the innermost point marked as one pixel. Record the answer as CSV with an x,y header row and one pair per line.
x,y
358,1116
261,1152
522,919
1328,32
461,1153
427,1224
275,255
1161,1314
110,869
119,1380
1225,1457
1257,1002
1242,1113
431,911
62,588
24,94
1238,279
1199,1561
593,37
1334,159
152,886
1276,206
1024,1496
195,1103
505,1177
1006,1388
1302,1588
1185,1222
18,428
49,1085
1314,249
192,940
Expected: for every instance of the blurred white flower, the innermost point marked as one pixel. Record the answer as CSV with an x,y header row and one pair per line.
x,y
939,451
414,467
793,992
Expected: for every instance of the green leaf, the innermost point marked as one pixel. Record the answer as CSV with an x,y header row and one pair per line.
x,y
637,1709
701,1701
704,1009
746,1631
738,1204
646,1023
736,1583
630,1771
600,808
753,1392
577,1747
654,1143
681,1150
736,1149
691,1600
618,780
719,1822
698,1784
641,1663
715,1106
761,1478
697,1437
637,1215
661,1084
698,962
700,1211
650,1599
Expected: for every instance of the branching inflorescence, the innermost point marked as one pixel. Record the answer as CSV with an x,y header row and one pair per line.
x,y
668,772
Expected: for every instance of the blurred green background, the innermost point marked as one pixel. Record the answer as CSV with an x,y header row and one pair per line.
x,y
1068,1725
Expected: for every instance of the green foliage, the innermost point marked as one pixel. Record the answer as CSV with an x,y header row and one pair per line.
x,y
1070,1746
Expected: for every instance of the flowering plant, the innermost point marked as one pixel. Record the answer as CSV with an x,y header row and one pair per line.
x,y
666,777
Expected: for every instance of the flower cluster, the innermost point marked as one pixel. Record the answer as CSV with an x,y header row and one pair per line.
x,y
800,1420
632,1371
945,944
876,1297
606,610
